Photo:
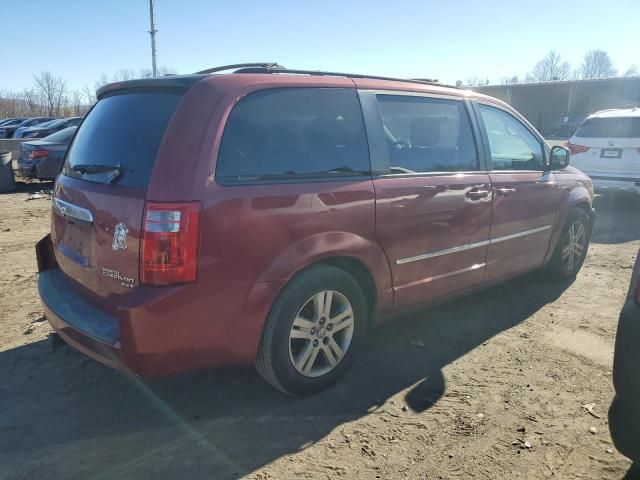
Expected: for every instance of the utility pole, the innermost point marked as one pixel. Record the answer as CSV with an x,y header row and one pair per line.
x,y
153,32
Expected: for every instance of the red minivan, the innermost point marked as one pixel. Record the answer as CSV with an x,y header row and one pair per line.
x,y
271,216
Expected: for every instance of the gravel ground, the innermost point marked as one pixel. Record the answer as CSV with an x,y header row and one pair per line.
x,y
488,386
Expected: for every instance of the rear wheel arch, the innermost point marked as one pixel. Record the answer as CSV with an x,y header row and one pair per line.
x,y
361,274
585,206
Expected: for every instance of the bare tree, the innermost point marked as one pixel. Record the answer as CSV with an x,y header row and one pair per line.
x,y
102,81
632,71
53,90
162,71
597,64
77,101
89,94
551,67
31,97
123,75
475,82
510,80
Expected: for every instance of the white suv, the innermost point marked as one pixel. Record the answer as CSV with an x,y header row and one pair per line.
x,y
606,147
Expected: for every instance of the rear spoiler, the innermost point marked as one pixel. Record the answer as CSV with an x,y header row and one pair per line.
x,y
179,82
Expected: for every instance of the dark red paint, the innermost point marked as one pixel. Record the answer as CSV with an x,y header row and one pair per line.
x,y
253,239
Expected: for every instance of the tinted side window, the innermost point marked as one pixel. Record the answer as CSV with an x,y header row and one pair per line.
x,y
427,134
512,145
294,133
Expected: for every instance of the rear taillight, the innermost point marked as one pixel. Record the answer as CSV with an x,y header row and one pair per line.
x,y
576,148
38,154
169,247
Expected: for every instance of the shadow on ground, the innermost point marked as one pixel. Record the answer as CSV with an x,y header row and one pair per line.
x,y
617,218
64,416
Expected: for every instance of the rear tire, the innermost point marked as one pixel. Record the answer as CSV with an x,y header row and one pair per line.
x,y
313,332
572,246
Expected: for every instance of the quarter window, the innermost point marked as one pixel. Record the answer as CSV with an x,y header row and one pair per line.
x,y
512,145
294,133
427,134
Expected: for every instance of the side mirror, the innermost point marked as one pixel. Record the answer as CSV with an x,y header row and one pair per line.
x,y
559,157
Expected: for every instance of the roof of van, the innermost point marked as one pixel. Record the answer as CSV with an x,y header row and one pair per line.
x,y
268,76
616,112
286,77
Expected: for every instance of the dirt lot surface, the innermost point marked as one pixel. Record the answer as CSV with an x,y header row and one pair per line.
x,y
489,386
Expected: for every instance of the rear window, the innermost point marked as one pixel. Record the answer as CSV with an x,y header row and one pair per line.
x,y
61,136
294,133
613,127
124,131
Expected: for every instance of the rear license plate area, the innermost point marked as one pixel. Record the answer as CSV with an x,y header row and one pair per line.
x,y
611,153
75,241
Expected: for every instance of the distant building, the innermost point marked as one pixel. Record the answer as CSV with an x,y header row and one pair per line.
x,y
557,108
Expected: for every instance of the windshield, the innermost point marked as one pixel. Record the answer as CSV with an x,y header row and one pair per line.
x,y
122,131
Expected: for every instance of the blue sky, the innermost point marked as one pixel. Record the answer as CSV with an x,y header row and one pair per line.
x,y
450,40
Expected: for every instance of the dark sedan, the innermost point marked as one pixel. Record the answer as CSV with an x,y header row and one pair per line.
x,y
32,122
624,414
11,121
8,130
42,131
43,158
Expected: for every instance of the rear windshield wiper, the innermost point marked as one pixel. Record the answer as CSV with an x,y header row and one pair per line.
x,y
116,170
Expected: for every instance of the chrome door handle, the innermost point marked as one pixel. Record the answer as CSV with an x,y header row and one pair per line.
x,y
504,191
475,194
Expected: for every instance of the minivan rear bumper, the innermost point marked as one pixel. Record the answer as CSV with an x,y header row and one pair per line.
x,y
156,331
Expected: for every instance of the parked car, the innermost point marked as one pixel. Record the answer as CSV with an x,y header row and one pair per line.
x,y
11,121
43,158
8,130
32,122
607,148
42,131
624,414
271,217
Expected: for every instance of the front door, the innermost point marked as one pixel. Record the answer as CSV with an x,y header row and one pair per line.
x,y
525,197
433,199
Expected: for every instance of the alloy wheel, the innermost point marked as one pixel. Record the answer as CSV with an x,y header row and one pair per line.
x,y
321,333
575,246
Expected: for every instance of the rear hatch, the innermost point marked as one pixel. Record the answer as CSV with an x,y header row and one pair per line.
x,y
99,198
608,147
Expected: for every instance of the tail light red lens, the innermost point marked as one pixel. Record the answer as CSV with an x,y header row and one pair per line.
x,y
169,247
576,148
38,154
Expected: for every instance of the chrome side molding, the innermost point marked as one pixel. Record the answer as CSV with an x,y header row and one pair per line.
x,y
66,209
470,246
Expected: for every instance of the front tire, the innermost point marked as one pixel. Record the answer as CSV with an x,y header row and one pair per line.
x,y
572,246
313,332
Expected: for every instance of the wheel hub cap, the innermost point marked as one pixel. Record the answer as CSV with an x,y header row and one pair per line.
x,y
321,333
575,246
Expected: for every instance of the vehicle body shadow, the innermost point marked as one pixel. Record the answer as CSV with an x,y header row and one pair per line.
x,y
64,416
30,185
617,218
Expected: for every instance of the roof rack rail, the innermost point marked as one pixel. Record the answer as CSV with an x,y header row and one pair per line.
x,y
262,65
274,67
349,75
